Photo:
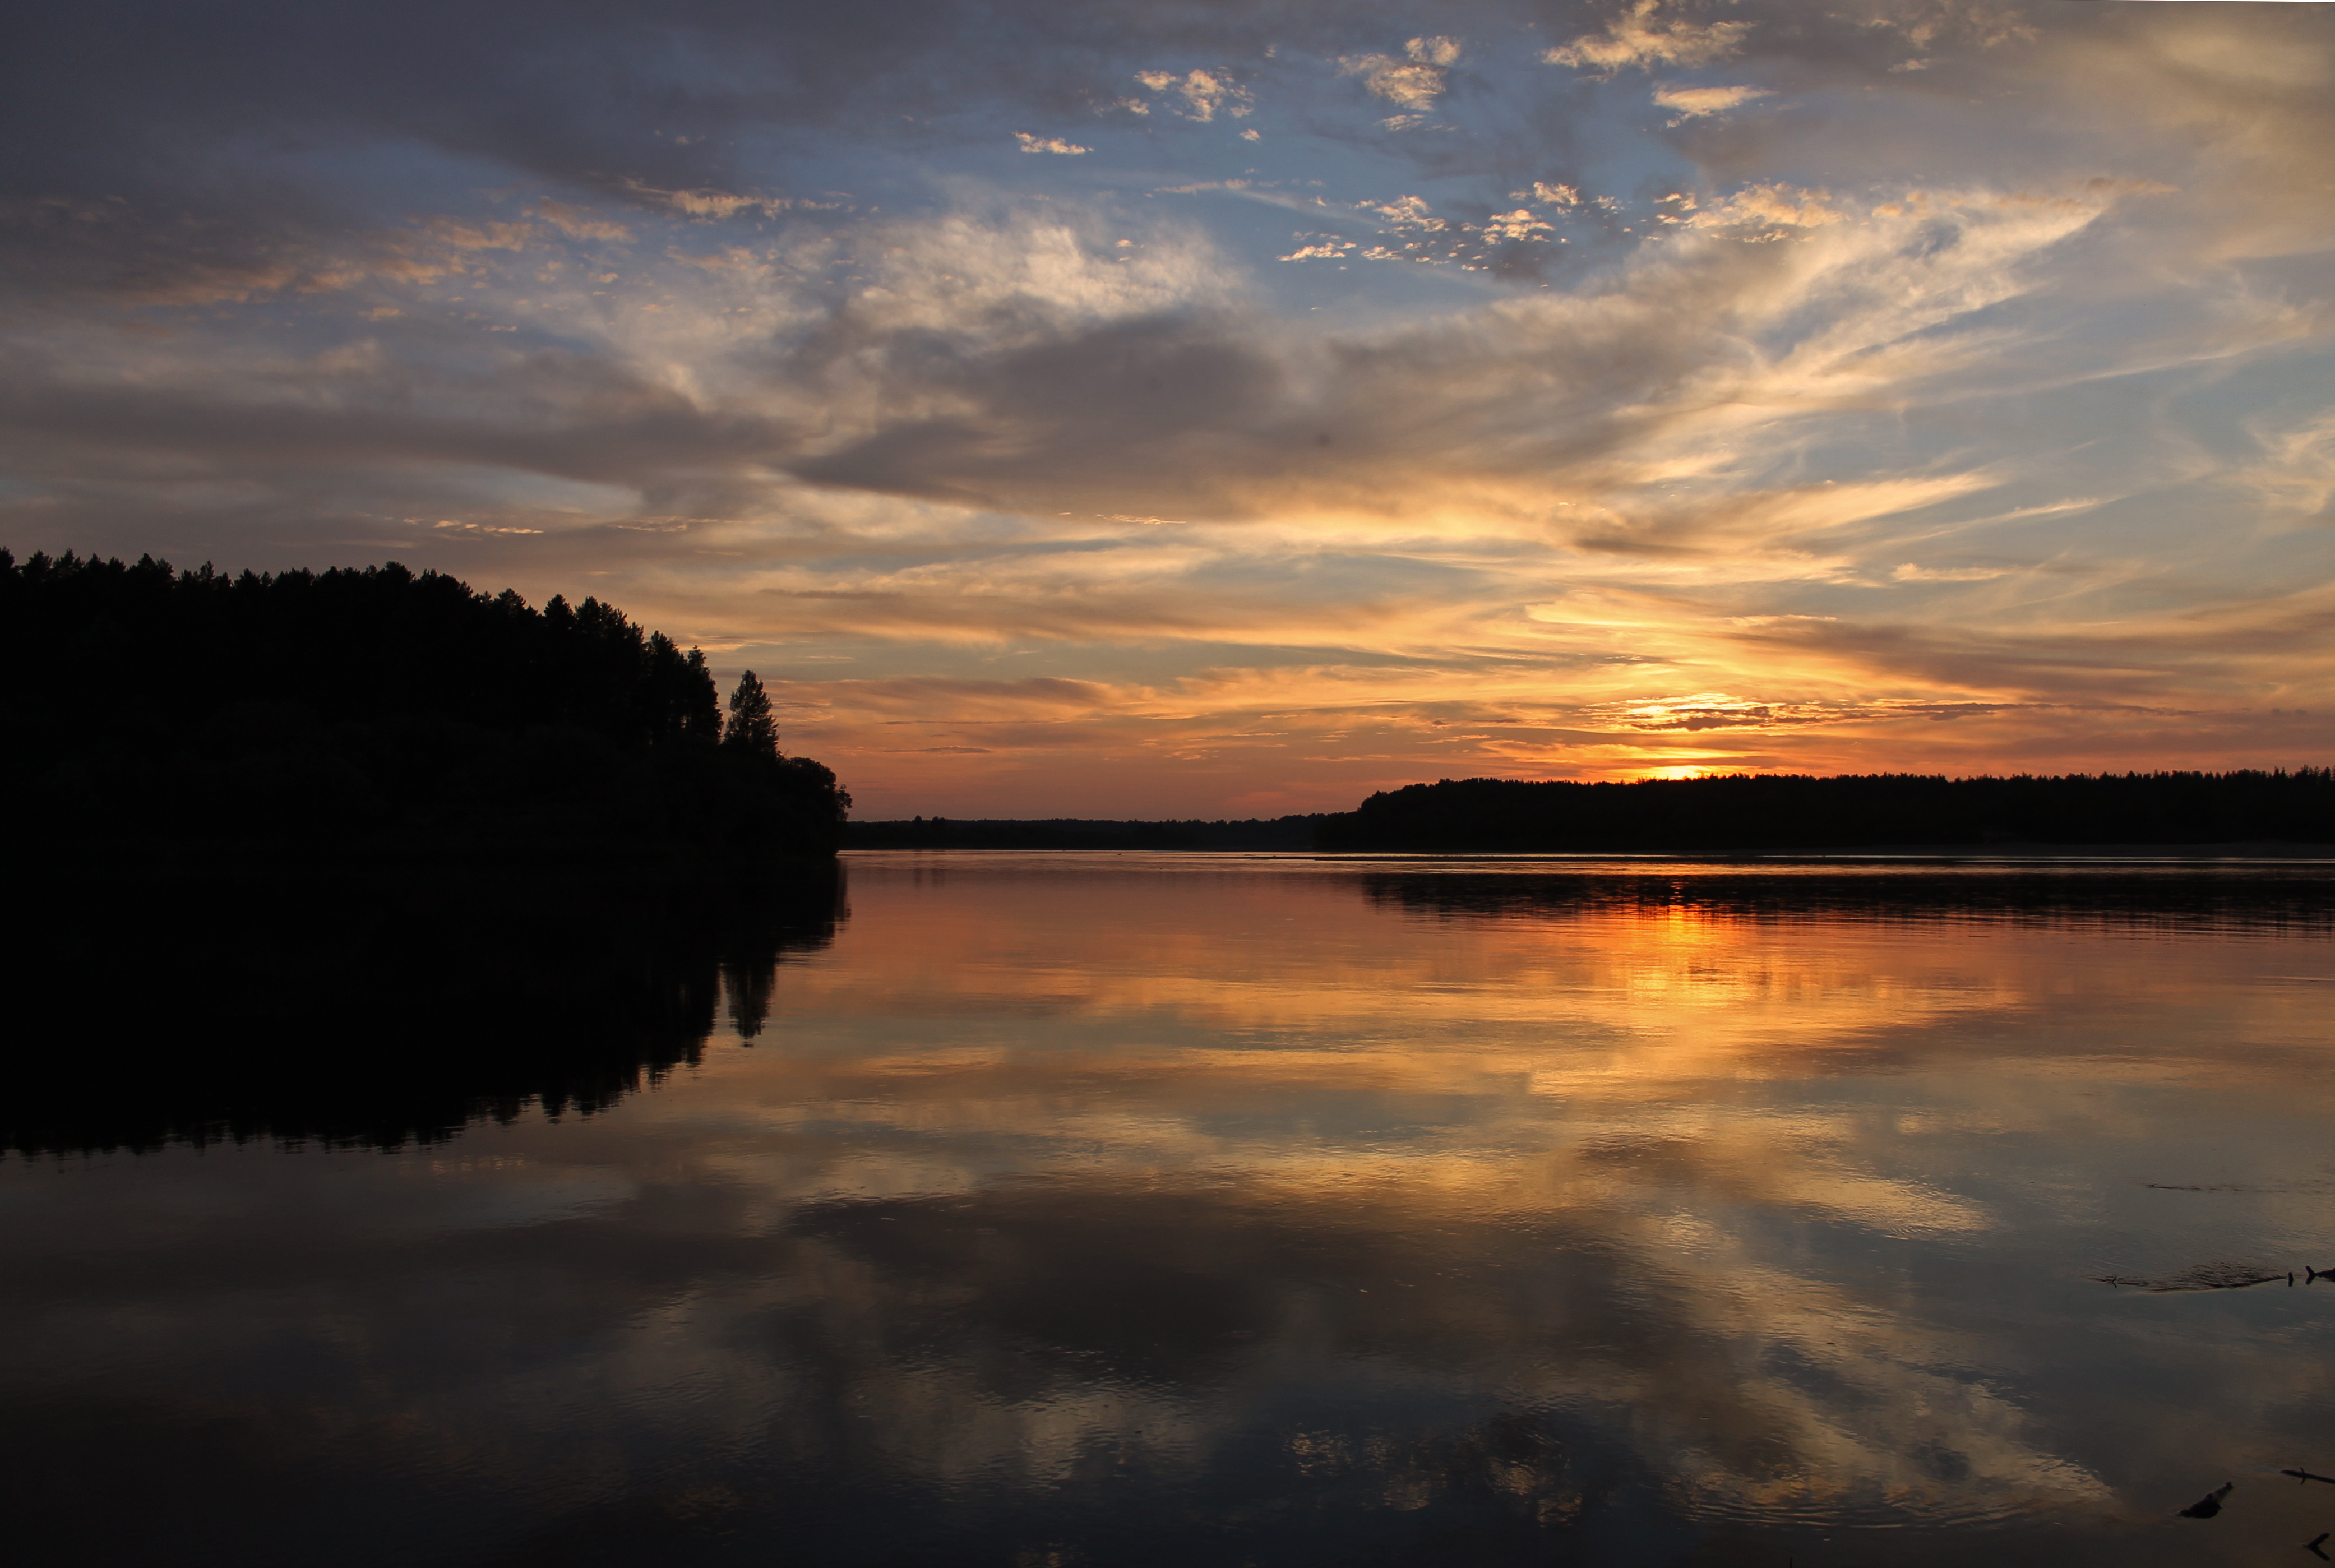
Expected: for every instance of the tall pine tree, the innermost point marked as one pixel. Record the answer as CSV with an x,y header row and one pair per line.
x,y
751,730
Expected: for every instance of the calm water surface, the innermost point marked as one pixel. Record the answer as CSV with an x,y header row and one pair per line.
x,y
1121,1209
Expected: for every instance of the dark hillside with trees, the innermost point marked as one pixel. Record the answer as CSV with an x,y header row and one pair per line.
x,y
157,716
1870,811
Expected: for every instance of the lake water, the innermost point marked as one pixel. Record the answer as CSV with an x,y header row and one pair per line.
x,y
1123,1209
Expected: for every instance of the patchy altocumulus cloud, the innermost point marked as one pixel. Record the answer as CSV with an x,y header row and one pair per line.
x,y
1411,81
1642,35
1198,94
1920,382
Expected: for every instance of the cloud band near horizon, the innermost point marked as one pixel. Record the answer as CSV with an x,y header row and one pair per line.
x,y
1339,397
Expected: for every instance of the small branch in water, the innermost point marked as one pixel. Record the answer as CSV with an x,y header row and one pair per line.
x,y
2205,1277
2307,1476
2206,1506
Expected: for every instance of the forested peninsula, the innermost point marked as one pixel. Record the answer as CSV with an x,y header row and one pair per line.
x,y
303,720
1873,811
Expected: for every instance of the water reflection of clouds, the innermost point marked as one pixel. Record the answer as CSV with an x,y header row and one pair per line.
x,y
1665,1027
1184,1199
1761,1395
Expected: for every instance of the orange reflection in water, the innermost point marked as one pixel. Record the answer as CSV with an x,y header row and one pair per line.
x,y
1161,1210
1687,1170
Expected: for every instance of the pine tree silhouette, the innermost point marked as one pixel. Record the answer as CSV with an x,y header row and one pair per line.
x,y
751,730
348,708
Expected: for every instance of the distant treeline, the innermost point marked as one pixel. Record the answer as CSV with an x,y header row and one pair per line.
x,y
379,711
1790,812
1080,832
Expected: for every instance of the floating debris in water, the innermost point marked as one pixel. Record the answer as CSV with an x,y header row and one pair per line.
x,y
2206,1506
2305,1186
2203,1277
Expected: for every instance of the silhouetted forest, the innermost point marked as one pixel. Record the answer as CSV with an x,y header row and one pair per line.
x,y
1783,812
373,1010
1080,832
158,714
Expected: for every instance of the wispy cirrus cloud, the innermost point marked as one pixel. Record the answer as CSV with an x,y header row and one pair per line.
x,y
1786,408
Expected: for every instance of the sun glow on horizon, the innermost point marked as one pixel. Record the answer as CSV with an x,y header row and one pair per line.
x,y
1926,390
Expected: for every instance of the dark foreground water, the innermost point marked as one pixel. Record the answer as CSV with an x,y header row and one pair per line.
x,y
1053,1210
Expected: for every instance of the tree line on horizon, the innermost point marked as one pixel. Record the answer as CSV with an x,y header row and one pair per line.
x,y
1080,832
313,712
377,707
1719,814
1795,811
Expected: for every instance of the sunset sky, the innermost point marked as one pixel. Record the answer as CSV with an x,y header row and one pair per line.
x,y
1135,408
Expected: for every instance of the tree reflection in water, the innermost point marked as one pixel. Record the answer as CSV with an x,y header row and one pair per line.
x,y
2168,896
375,1011
1155,1211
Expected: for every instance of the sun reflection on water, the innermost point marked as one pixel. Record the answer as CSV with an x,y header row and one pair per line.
x,y
1706,1123
1125,1209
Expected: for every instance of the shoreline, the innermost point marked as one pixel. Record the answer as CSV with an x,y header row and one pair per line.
x,y
2237,854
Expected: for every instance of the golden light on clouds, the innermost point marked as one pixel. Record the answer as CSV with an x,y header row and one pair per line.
x,y
1942,385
